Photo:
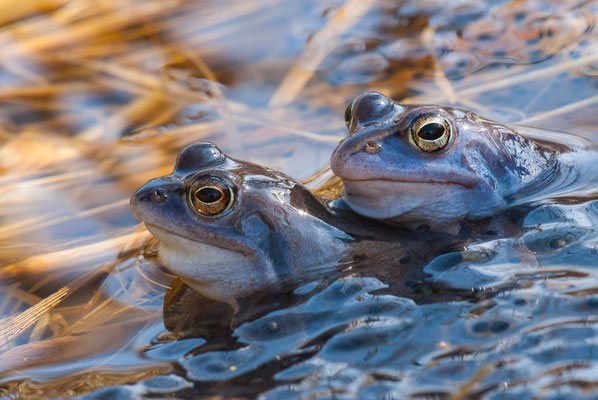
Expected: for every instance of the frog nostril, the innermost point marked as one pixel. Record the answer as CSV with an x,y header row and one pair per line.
x,y
372,147
158,196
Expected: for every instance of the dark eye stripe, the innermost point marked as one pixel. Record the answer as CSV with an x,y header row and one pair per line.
x,y
209,194
431,131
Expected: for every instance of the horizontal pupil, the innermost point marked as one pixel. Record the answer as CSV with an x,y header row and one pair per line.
x,y
431,131
208,195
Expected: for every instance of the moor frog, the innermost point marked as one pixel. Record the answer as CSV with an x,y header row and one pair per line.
x,y
231,229
411,164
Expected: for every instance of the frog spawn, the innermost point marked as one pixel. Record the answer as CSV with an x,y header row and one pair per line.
x,y
465,37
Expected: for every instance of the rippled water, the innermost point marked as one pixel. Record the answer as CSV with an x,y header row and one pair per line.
x,y
99,98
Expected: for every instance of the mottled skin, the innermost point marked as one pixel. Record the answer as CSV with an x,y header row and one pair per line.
x,y
276,232
484,168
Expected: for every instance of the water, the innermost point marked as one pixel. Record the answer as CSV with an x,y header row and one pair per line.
x,y
99,98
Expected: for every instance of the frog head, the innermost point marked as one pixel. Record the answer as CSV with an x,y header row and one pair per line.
x,y
414,163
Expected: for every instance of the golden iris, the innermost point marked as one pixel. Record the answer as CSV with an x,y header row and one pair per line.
x,y
430,132
210,195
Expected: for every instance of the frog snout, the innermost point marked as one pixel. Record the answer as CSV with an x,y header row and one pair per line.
x,y
152,197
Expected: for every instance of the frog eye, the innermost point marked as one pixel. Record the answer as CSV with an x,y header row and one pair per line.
x,y
210,195
430,133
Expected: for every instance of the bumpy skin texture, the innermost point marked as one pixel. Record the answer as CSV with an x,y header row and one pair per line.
x,y
484,168
275,233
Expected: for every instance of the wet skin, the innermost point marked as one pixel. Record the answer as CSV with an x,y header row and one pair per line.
x,y
411,164
231,229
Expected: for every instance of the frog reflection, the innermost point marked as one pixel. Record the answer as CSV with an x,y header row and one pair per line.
x,y
231,229
410,164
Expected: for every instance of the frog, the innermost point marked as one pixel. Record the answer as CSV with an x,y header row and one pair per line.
x,y
440,166
232,230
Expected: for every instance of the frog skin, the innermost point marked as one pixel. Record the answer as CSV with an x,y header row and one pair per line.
x,y
410,164
231,228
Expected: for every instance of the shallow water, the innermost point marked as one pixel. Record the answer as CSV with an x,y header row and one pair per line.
x,y
97,98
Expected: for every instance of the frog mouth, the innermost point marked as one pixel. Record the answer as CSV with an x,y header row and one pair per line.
x,y
415,199
466,185
166,235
